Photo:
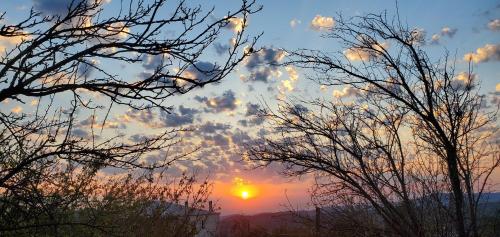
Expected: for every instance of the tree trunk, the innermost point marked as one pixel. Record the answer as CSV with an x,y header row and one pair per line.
x,y
458,197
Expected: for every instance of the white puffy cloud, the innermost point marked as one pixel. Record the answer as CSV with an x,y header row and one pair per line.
x,y
435,38
355,54
489,52
322,23
494,25
235,24
289,84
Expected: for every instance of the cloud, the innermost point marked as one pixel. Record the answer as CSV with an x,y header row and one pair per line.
x,y
225,102
240,138
263,57
152,62
199,71
289,84
263,74
295,22
7,43
357,54
435,39
263,64
252,109
347,91
322,23
494,25
417,36
463,80
86,67
252,112
17,110
78,132
447,31
202,71
92,121
146,117
220,48
235,24
489,52
211,128
183,116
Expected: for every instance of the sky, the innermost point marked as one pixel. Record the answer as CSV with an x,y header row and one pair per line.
x,y
224,115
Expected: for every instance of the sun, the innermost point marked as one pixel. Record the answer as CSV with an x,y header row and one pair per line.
x,y
244,195
243,189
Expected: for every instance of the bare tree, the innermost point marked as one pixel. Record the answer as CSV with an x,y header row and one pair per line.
x,y
413,142
66,63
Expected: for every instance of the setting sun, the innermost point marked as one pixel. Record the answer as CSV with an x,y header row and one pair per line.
x,y
243,189
244,194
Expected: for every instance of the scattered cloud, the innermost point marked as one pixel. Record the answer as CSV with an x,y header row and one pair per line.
x,y
357,54
146,117
152,62
220,48
17,110
435,38
289,84
295,22
225,102
347,91
86,67
202,71
489,52
262,65
494,25
235,24
252,116
417,36
211,128
463,80
180,117
447,31
319,23
7,43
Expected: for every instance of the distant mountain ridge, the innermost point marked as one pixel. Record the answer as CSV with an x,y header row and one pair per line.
x,y
266,223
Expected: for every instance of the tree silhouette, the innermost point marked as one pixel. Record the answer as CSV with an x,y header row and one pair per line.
x,y
407,137
67,63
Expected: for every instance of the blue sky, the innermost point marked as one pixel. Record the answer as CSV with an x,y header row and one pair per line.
x,y
286,24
